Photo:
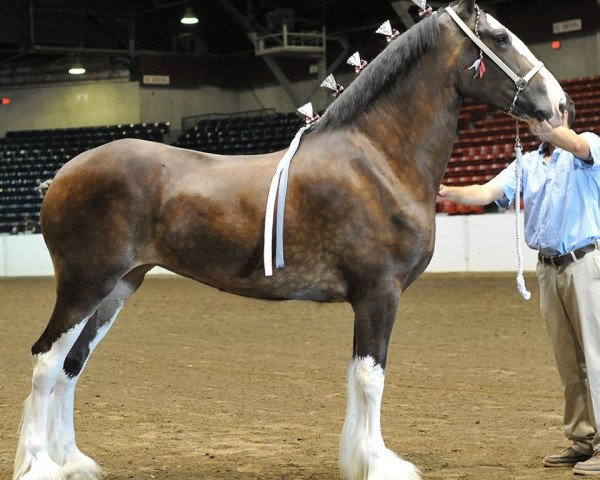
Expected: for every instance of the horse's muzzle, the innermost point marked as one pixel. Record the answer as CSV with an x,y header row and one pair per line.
x,y
541,115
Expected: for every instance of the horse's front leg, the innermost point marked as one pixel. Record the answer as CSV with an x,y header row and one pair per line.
x,y
363,454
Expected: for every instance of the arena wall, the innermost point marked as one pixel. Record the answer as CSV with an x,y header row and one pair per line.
x,y
174,104
112,102
578,56
171,105
79,104
464,243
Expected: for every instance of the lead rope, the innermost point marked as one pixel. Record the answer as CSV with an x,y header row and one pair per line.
x,y
518,150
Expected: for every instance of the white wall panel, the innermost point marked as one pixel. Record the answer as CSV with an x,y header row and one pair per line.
x,y
475,243
492,244
27,256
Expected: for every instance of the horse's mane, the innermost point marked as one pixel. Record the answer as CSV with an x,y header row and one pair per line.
x,y
377,78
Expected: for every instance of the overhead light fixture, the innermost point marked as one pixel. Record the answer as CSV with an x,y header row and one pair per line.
x,y
77,68
189,17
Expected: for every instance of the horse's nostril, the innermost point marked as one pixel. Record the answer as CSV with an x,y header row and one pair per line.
x,y
541,115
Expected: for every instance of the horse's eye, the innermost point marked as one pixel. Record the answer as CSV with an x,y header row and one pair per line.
x,y
502,39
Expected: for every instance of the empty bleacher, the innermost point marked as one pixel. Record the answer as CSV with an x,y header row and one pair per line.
x,y
242,135
29,157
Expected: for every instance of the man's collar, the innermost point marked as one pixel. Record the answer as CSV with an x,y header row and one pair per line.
x,y
544,148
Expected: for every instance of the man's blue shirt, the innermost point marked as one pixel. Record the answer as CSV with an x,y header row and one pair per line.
x,y
561,198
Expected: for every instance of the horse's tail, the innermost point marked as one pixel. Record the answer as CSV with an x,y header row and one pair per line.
x,y
43,187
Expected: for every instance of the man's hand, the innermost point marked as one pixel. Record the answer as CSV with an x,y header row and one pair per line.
x,y
562,137
540,129
443,191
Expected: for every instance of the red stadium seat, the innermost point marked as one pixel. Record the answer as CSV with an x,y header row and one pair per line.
x,y
449,207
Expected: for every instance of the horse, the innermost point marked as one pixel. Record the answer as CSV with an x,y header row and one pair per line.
x,y
359,226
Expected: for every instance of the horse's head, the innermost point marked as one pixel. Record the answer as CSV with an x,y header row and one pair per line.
x,y
540,96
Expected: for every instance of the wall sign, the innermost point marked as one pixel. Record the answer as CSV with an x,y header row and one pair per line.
x,y
565,26
156,80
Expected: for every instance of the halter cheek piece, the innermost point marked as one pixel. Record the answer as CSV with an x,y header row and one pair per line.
x,y
520,82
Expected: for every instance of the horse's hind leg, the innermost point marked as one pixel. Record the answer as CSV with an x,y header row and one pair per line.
x,y
32,461
77,300
363,454
61,435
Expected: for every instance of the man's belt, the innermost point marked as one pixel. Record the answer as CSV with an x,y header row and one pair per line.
x,y
567,258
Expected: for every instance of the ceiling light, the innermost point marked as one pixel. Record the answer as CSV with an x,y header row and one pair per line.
x,y
77,68
189,17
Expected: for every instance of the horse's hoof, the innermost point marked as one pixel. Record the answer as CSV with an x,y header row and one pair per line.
x,y
379,464
390,466
43,469
82,467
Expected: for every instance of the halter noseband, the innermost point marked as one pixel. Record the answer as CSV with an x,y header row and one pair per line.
x,y
520,82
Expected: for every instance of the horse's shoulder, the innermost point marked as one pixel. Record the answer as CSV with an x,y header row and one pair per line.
x,y
349,170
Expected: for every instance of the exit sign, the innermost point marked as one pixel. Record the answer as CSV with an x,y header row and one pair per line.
x,y
565,26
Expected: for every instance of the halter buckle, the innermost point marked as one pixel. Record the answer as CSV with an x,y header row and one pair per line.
x,y
521,83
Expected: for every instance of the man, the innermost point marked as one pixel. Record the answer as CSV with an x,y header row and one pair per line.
x,y
561,194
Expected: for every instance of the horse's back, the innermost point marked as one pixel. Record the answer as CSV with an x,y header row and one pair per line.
x,y
130,168
131,155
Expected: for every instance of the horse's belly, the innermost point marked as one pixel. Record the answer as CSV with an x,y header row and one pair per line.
x,y
219,242
285,284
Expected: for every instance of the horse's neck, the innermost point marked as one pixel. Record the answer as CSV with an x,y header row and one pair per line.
x,y
415,123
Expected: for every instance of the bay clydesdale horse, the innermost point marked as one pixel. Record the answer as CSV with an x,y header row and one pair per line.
x,y
359,226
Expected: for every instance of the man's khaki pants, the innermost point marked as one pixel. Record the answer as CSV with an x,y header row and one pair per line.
x,y
570,305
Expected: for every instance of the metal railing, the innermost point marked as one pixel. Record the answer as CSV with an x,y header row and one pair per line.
x,y
286,42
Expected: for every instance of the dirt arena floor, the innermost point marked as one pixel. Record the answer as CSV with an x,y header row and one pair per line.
x,y
192,383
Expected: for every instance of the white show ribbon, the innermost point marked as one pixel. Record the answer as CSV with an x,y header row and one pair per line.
x,y
278,190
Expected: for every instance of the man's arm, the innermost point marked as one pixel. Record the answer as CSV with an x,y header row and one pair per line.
x,y
568,140
563,137
472,194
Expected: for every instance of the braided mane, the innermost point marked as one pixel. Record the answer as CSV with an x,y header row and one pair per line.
x,y
378,77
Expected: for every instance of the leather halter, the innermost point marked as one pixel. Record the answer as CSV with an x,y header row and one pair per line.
x,y
520,82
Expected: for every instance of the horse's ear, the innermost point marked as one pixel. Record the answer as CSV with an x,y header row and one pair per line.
x,y
466,6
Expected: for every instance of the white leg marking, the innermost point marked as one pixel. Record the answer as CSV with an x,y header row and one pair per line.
x,y
363,454
32,461
62,446
61,433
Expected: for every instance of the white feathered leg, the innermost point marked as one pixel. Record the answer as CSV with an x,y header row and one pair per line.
x,y
32,461
61,429
61,434
363,454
